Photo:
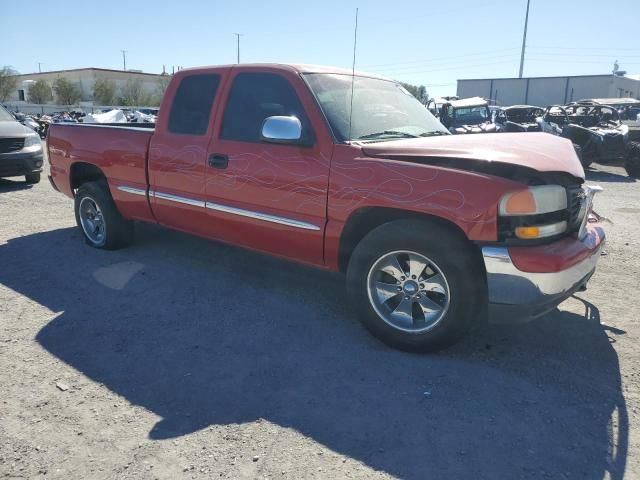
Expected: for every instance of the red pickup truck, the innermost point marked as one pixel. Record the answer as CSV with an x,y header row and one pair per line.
x,y
346,173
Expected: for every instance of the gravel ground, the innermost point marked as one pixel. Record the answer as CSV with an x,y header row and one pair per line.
x,y
183,358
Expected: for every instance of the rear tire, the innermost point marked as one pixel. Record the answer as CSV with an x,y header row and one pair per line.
x,y
399,308
632,162
32,178
99,220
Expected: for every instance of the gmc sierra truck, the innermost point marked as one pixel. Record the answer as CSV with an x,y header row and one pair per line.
x,y
350,173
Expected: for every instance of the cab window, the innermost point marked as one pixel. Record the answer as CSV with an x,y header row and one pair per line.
x,y
254,97
192,104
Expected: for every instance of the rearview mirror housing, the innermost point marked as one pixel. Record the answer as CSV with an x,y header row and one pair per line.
x,y
282,129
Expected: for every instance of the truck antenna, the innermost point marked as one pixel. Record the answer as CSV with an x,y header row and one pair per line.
x,y
353,70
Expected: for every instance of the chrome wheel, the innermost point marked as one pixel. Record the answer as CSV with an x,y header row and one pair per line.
x,y
408,291
92,221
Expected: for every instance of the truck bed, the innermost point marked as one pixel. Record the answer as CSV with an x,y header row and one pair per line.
x,y
120,151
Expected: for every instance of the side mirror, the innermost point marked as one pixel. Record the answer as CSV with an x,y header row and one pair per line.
x,y
280,129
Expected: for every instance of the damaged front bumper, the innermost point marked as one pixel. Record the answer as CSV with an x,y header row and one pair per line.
x,y
526,282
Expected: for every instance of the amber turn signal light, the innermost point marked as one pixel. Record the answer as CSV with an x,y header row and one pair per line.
x,y
541,231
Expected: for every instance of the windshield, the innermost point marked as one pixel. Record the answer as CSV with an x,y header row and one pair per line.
x,y
522,115
382,109
471,115
5,116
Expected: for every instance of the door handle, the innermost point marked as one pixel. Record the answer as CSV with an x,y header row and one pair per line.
x,y
218,160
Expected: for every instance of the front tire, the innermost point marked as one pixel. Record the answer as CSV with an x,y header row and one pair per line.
x,y
99,220
416,285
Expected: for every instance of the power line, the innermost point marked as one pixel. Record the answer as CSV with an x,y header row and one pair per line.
x,y
439,84
437,14
588,55
603,62
584,48
448,57
452,69
447,64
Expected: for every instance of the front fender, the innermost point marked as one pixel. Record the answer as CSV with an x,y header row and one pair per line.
x,y
467,199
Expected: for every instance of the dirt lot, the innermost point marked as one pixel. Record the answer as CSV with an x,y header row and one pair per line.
x,y
182,358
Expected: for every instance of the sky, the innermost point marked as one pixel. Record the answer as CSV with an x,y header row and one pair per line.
x,y
426,42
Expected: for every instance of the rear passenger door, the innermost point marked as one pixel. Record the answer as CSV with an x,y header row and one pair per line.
x,y
179,151
267,196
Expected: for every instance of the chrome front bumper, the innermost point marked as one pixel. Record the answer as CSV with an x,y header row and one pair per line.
x,y
515,295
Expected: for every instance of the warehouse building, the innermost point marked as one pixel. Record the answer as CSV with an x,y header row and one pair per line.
x,y
550,90
85,78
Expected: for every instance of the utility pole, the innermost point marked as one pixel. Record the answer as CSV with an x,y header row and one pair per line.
x,y
524,39
238,35
39,67
124,60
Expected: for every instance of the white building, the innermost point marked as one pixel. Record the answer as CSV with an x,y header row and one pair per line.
x,y
151,83
543,91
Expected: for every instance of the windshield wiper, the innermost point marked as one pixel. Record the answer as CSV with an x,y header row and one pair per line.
x,y
434,132
387,133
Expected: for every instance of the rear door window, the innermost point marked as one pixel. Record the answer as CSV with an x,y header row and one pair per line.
x,y
254,97
192,104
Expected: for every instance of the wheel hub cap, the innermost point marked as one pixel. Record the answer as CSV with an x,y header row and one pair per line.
x,y
408,291
410,287
92,220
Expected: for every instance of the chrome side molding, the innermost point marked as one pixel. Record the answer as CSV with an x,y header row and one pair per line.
x,y
262,216
132,190
265,217
177,199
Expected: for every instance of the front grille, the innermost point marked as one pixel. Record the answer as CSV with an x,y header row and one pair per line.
x,y
11,144
576,199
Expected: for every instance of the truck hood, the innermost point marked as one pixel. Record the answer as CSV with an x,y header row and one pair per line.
x,y
539,151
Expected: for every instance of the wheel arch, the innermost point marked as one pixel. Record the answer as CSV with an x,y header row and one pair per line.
x,y
366,219
83,172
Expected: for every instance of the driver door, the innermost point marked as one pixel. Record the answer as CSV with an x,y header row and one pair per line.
x,y
267,196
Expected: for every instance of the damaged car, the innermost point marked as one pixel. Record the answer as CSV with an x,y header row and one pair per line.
x,y
596,129
518,118
468,115
435,104
628,108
